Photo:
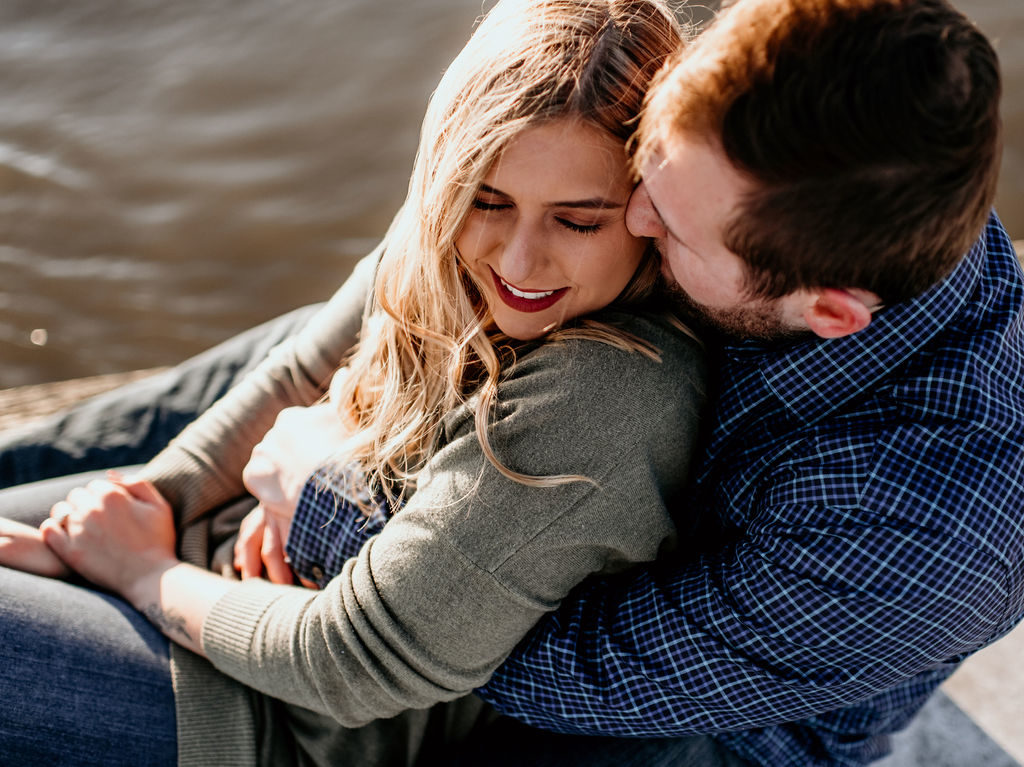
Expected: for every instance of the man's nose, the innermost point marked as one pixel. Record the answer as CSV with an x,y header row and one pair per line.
x,y
642,219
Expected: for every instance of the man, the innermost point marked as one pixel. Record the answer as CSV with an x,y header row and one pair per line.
x,y
814,172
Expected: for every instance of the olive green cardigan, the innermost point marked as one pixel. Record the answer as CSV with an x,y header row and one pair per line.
x,y
434,603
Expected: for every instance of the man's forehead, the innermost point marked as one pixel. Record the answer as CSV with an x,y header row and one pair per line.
x,y
697,163
693,187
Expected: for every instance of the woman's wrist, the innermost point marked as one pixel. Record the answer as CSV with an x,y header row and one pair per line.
x,y
177,598
144,588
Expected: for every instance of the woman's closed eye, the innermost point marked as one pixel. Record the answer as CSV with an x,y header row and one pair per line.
x,y
485,205
566,223
572,226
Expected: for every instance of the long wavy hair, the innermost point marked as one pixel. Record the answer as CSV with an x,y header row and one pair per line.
x,y
428,341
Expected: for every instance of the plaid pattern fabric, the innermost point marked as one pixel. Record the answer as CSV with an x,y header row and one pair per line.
x,y
329,527
858,529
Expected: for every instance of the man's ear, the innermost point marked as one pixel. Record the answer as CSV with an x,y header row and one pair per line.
x,y
836,313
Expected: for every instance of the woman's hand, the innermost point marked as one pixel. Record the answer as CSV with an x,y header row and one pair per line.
x,y
22,548
119,534
115,533
301,440
260,546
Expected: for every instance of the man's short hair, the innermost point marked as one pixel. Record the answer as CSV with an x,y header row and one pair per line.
x,y
870,129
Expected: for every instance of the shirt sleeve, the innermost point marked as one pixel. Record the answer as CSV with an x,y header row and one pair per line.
x,y
329,526
432,604
792,621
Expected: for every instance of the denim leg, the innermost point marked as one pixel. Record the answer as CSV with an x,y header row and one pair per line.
x,y
134,422
507,743
85,679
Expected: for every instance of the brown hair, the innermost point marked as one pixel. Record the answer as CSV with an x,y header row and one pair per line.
x,y
870,129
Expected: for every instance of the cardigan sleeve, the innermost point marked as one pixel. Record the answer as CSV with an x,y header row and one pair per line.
x,y
202,468
432,605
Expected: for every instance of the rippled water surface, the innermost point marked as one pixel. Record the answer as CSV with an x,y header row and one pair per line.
x,y
172,173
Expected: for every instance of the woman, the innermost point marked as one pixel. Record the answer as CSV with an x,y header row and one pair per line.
x,y
507,389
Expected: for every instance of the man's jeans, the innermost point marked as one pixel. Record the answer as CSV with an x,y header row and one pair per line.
x,y
84,678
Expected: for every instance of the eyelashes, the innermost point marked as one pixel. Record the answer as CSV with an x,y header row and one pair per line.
x,y
572,226
580,228
481,205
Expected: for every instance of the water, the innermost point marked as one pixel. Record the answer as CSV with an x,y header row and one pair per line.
x,y
172,173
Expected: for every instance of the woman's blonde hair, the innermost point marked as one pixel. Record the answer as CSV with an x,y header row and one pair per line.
x,y
428,341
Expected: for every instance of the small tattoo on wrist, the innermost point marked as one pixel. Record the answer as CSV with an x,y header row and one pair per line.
x,y
170,622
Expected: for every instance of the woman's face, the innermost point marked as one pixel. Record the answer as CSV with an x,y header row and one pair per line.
x,y
546,239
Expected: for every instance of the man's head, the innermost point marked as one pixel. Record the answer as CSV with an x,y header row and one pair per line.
x,y
806,160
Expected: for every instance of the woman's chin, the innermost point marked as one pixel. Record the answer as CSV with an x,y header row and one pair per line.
x,y
525,333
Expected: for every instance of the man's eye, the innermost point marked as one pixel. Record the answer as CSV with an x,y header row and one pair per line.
x,y
484,205
580,228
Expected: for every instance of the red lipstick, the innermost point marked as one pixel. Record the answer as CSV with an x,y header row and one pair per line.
x,y
521,304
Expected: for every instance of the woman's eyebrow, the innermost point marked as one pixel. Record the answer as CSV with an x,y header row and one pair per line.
x,y
491,190
595,203
591,203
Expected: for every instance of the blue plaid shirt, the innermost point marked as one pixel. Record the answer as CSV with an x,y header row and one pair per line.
x,y
858,529
329,526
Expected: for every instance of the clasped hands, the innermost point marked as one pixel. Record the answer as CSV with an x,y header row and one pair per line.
x,y
116,531
106,531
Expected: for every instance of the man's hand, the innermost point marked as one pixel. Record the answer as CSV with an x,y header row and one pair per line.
x,y
260,546
301,440
22,548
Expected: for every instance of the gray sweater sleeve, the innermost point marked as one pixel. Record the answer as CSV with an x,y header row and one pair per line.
x,y
434,603
202,468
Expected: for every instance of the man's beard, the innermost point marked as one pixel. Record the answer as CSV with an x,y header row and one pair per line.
x,y
757,321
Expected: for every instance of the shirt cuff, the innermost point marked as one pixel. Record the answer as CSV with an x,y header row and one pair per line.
x,y
330,526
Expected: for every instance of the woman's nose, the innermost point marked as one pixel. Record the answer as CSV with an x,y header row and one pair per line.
x,y
521,256
642,219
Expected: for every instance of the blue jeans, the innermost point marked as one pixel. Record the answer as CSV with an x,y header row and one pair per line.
x,y
85,679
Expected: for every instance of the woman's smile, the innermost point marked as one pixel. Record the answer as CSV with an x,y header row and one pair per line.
x,y
526,300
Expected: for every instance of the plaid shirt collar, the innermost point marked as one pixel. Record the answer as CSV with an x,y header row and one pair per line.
x,y
805,383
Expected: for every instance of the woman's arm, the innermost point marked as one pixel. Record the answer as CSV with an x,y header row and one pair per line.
x,y
119,534
434,603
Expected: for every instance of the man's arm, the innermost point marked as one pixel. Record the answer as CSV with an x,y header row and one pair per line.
x,y
786,624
